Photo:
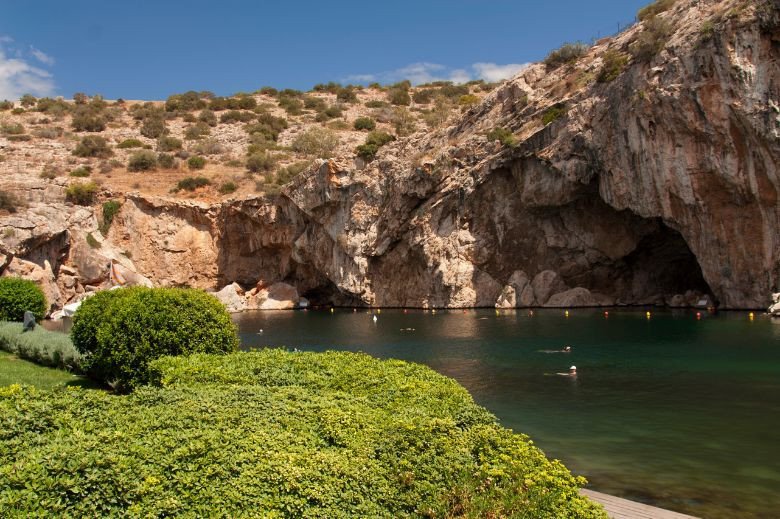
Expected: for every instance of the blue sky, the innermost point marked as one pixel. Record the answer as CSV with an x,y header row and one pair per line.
x,y
150,49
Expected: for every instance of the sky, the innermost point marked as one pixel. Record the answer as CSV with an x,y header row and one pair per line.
x,y
143,49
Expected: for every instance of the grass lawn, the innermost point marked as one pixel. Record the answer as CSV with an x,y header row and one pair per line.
x,y
14,370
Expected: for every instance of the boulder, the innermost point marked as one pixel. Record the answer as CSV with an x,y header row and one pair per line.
x,y
232,297
572,298
545,284
280,296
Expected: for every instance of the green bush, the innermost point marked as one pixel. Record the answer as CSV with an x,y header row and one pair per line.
x,y
130,143
27,100
185,102
41,346
566,53
236,116
291,105
422,97
554,113
364,123
316,142
120,331
502,135
83,171
275,434
49,132
192,183
166,161
168,144
93,146
110,209
153,127
227,187
86,119
12,129
346,95
92,241
613,64
81,193
376,104
656,8
329,113
18,295
260,161
374,141
399,97
6,105
284,175
144,160
208,117
196,162
197,131
651,40
8,202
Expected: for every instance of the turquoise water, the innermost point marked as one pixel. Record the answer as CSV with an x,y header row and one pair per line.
x,y
672,411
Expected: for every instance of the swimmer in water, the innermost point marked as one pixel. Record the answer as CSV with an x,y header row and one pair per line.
x,y
566,349
572,372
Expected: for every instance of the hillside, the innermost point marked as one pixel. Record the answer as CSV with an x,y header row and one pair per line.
x,y
639,170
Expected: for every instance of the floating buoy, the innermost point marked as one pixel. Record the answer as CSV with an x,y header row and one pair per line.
x,y
331,310
531,313
375,319
648,315
433,311
354,310
751,316
566,313
606,314
497,312
406,311
379,310
698,316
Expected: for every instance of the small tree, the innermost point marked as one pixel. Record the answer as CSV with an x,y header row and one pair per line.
x,y
260,162
153,127
144,160
316,142
93,146
196,162
364,123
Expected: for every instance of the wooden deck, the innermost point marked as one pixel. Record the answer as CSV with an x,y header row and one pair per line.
x,y
619,508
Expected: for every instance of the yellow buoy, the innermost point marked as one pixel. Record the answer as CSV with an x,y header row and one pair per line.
x,y
751,316
648,315
331,310
566,313
379,310
433,311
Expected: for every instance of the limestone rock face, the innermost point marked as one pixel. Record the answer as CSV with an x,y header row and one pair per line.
x,y
232,297
660,186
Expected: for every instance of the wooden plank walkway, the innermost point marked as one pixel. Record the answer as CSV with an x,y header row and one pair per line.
x,y
619,508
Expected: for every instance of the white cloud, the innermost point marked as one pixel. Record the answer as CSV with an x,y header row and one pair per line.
x,y
425,72
41,56
19,77
492,72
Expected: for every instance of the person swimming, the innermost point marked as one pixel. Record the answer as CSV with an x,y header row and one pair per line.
x,y
572,372
566,349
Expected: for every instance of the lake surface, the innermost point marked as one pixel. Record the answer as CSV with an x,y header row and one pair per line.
x,y
674,411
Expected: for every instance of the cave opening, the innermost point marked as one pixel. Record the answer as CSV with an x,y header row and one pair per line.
x,y
663,264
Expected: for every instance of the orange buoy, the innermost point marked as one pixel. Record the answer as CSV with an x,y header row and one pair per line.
x,y
606,314
698,316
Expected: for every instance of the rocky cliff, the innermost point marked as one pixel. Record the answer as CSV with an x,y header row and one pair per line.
x,y
655,185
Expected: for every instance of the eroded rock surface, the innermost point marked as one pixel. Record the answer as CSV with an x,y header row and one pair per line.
x,y
659,187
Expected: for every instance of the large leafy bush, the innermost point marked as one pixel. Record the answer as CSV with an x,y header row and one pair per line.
x,y
120,331
275,434
18,295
